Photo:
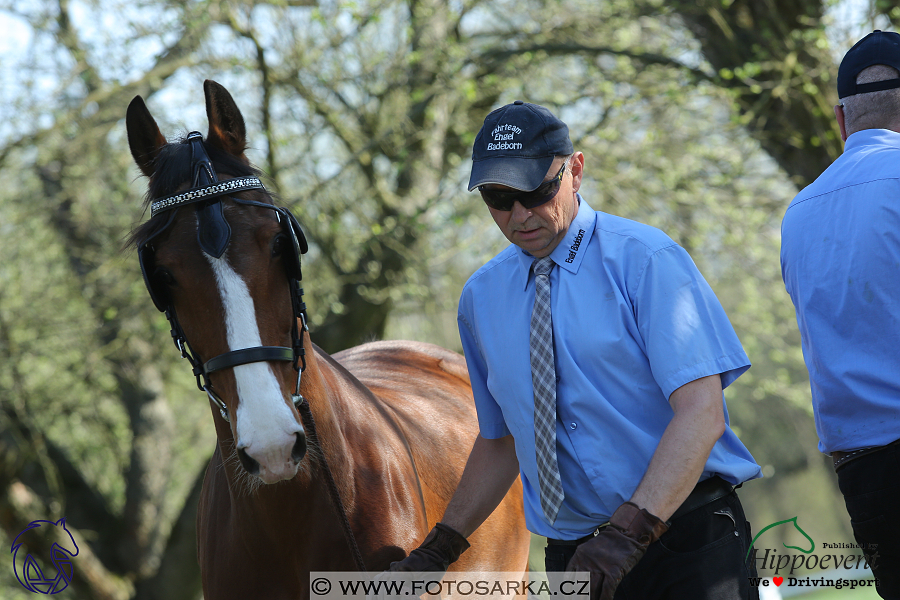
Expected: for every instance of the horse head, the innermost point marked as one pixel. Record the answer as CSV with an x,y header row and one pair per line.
x,y
223,262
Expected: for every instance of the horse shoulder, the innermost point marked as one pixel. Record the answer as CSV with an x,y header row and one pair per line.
x,y
426,390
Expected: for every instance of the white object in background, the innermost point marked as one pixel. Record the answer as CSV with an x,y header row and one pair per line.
x,y
769,592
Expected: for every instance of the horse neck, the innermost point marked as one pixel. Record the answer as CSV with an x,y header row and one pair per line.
x,y
320,386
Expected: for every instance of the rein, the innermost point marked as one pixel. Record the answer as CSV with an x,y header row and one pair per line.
x,y
306,415
214,234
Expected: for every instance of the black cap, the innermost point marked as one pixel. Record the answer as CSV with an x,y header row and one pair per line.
x,y
517,145
877,48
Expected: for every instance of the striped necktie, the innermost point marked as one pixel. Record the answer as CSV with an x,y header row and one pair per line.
x,y
543,379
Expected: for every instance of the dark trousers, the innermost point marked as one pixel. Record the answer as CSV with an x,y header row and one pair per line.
x,y
871,488
701,557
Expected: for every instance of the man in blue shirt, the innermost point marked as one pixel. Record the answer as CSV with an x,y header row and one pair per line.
x,y
840,260
640,353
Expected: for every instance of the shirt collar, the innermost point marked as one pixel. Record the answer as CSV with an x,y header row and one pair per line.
x,y
864,137
571,249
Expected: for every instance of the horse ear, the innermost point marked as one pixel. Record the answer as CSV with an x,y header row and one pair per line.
x,y
226,124
144,137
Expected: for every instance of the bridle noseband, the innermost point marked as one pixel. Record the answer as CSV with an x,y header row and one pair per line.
x,y
214,234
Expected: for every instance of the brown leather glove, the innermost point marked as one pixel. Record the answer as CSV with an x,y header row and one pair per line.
x,y
441,546
617,548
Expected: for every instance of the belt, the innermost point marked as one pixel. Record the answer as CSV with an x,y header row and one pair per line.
x,y
840,458
708,490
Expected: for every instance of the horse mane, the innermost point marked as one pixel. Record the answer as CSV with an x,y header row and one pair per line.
x,y
172,169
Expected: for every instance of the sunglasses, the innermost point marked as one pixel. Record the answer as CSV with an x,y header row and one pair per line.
x,y
504,200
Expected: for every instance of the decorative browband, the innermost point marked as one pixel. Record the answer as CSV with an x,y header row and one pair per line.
x,y
220,188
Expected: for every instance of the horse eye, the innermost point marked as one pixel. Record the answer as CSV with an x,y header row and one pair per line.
x,y
279,245
165,277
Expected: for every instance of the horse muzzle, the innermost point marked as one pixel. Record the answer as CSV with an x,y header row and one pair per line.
x,y
273,465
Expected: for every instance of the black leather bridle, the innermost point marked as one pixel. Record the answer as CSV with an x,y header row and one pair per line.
x,y
214,233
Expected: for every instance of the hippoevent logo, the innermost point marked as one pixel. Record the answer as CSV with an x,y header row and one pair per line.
x,y
63,549
834,567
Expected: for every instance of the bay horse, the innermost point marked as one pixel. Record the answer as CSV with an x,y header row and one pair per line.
x,y
390,424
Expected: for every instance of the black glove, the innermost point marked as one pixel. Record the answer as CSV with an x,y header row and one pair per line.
x,y
617,548
441,546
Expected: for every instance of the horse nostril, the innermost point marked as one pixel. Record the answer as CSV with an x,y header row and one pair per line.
x,y
299,449
249,464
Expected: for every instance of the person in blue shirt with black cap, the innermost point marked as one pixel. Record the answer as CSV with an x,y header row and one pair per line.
x,y
598,355
840,260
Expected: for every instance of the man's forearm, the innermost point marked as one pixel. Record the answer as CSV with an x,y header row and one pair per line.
x,y
490,471
684,448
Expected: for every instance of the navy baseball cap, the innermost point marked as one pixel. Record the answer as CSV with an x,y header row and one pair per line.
x,y
877,48
517,145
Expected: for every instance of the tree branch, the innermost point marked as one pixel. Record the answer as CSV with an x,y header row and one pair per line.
x,y
68,37
488,59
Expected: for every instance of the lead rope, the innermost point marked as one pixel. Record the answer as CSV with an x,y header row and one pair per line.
x,y
310,423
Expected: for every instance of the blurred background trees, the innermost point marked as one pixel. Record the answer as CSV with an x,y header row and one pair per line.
x,y
702,118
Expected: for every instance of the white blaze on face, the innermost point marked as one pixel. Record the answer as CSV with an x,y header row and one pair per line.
x,y
266,427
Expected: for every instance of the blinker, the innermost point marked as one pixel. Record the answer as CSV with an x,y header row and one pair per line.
x,y
213,230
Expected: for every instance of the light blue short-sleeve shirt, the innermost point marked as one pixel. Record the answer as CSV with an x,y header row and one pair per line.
x,y
840,260
633,320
